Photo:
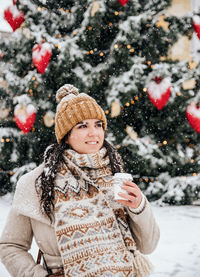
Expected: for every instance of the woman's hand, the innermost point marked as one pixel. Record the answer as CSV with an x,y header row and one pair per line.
x,y
133,197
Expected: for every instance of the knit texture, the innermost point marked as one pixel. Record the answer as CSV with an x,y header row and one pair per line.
x,y
92,229
74,108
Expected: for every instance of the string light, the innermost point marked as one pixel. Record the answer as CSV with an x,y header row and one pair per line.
x,y
5,140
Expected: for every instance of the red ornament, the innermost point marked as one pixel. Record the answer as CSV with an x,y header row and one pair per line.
x,y
123,2
193,116
41,56
159,91
25,117
14,2
196,25
14,17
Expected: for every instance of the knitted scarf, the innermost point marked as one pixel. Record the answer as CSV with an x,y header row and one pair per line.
x,y
92,228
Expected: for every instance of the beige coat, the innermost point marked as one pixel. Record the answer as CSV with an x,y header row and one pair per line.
x,y
26,221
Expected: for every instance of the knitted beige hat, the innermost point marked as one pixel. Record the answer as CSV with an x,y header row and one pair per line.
x,y
74,108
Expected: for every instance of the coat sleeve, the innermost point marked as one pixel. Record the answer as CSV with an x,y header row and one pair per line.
x,y
15,242
144,228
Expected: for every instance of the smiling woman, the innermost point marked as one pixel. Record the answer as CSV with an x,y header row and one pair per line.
x,y
68,204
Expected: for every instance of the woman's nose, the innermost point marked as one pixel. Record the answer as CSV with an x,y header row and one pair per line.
x,y
92,131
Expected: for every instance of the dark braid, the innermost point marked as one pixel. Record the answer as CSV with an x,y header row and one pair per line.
x,y
53,160
115,159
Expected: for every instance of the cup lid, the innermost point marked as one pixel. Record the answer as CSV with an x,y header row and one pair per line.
x,y
123,175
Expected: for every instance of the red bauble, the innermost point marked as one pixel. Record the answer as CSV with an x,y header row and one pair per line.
x,y
14,17
159,91
14,2
25,117
123,2
41,56
193,116
196,25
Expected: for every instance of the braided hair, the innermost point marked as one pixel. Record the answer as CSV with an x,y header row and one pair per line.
x,y
53,161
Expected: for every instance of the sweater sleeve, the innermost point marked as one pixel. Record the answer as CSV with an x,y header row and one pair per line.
x,y
15,242
144,229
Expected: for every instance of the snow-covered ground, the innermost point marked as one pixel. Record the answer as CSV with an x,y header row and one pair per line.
x,y
178,252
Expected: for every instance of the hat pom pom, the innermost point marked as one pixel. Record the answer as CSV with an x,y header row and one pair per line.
x,y
65,90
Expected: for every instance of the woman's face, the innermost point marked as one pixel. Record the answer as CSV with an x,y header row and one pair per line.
x,y
87,136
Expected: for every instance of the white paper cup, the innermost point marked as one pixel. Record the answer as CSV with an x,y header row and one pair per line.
x,y
118,181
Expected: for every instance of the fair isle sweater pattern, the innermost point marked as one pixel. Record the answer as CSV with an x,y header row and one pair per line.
x,y
91,228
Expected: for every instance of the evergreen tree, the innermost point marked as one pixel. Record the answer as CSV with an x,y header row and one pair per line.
x,y
117,54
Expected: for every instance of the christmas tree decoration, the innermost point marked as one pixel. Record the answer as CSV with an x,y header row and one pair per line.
x,y
95,8
132,134
41,56
115,109
196,25
162,23
188,84
14,2
159,91
14,17
4,112
123,2
193,116
49,119
25,117
192,64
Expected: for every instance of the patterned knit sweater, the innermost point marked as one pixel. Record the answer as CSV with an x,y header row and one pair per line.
x,y
92,229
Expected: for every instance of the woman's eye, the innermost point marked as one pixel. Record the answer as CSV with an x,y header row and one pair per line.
x,y
82,126
99,125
